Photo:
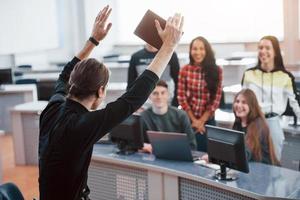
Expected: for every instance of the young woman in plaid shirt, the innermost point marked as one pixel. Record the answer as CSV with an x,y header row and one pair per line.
x,y
200,88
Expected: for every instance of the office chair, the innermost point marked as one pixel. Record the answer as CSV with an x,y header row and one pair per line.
x,y
25,66
289,111
10,191
18,73
6,76
26,81
223,105
45,89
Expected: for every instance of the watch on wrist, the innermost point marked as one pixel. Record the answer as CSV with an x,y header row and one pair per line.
x,y
94,41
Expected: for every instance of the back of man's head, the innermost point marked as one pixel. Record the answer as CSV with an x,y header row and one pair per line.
x,y
87,77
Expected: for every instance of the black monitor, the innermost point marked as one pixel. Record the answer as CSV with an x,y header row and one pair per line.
x,y
45,89
6,76
226,147
128,135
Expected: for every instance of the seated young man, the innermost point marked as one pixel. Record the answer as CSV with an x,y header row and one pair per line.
x,y
162,117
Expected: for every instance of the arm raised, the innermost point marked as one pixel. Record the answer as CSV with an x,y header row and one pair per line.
x,y
170,36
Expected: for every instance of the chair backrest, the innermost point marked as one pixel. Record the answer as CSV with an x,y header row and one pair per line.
x,y
26,81
25,66
6,76
223,105
297,83
289,111
45,89
10,191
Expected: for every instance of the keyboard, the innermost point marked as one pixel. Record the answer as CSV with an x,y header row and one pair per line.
x,y
208,165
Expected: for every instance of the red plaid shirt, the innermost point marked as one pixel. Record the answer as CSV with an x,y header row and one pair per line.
x,y
193,92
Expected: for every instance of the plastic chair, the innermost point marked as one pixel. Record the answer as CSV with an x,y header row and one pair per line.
x,y
10,191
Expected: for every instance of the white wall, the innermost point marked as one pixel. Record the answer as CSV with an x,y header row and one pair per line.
x,y
70,19
28,25
218,21
74,29
92,8
223,23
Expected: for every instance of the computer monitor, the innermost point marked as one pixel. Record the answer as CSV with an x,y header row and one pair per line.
x,y
45,89
6,76
128,135
226,148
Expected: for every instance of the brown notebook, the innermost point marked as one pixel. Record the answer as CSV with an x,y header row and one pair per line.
x,y
146,29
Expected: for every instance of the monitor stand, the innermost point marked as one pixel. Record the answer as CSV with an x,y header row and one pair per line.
x,y
125,152
222,174
124,148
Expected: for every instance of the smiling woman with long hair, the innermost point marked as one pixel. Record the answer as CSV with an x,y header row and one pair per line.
x,y
200,88
250,119
274,87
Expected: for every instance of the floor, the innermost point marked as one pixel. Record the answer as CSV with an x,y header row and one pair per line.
x,y
25,177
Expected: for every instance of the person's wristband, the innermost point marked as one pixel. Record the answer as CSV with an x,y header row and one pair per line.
x,y
94,41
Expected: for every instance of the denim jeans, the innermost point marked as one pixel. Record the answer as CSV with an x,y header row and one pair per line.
x,y
202,138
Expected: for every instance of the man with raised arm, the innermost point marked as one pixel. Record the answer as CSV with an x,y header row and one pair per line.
x,y
70,125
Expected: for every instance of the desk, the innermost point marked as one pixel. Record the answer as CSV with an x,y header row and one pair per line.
x,y
11,95
1,177
233,70
53,76
118,71
291,147
295,70
25,118
114,88
114,91
141,176
230,92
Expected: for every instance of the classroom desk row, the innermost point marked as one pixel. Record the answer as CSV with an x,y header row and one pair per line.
x,y
25,119
142,176
12,95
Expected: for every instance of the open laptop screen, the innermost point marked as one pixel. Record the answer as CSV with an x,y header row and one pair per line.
x,y
171,146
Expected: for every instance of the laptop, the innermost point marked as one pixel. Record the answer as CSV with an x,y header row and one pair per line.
x,y
172,146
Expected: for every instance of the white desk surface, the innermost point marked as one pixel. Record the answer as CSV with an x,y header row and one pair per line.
x,y
116,86
243,62
111,65
224,117
41,76
30,107
17,88
54,77
233,89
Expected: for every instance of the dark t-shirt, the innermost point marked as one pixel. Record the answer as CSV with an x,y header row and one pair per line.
x,y
139,62
68,132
